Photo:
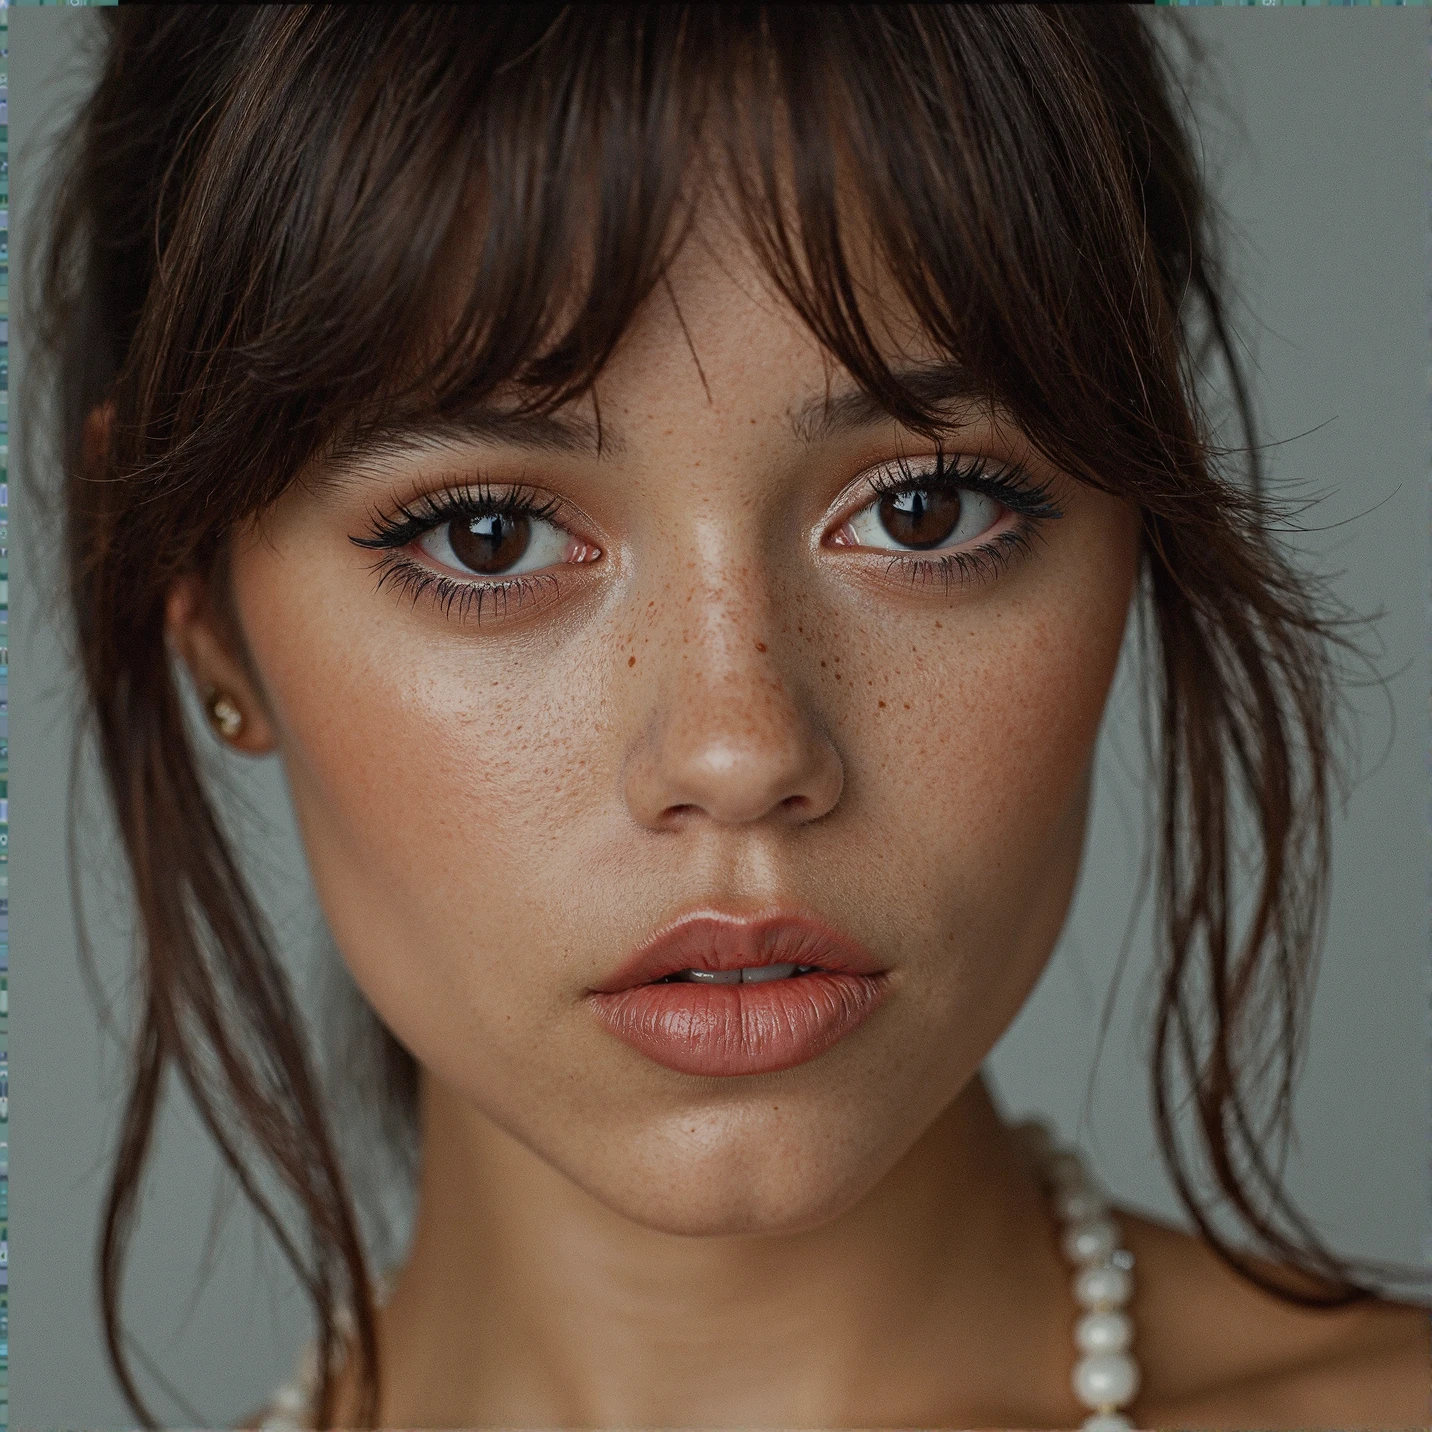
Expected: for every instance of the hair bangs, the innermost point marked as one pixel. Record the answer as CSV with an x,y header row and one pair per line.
x,y
972,155
499,236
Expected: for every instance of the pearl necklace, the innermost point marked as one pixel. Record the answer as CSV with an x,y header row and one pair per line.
x,y
1105,1376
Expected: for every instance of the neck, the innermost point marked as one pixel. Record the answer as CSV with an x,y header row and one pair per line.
x,y
939,1298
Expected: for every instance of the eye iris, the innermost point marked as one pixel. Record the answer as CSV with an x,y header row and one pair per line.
x,y
920,518
491,542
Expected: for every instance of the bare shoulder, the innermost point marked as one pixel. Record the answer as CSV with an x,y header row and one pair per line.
x,y
1384,1381
1217,1351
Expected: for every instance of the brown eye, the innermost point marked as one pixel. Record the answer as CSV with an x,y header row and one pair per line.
x,y
489,544
920,518
508,542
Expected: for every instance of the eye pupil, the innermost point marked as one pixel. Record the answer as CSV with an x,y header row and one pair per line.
x,y
491,542
920,518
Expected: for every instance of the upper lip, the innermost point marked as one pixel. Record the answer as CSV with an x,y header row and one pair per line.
x,y
716,940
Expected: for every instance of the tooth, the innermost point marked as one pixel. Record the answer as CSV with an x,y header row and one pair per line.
x,y
768,972
753,975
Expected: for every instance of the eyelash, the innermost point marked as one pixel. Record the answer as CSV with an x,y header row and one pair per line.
x,y
433,510
1011,485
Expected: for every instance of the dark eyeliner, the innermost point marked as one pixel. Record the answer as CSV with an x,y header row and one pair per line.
x,y
415,519
390,533
1011,484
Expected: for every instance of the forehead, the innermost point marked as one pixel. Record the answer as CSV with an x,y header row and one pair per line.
x,y
714,329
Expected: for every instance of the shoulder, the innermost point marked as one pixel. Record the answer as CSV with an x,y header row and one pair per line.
x,y
1219,1352
1383,1379
1387,1377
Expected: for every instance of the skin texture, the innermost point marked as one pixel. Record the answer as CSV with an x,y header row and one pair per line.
x,y
724,707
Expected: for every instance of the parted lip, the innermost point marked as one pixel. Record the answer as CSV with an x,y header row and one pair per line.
x,y
716,940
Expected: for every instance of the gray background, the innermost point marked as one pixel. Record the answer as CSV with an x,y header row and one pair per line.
x,y
1321,158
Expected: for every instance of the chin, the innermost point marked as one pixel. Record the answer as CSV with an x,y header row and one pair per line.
x,y
698,1177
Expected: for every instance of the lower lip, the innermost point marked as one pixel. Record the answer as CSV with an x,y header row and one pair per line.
x,y
725,1029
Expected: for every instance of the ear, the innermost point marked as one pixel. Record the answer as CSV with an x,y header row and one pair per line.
x,y
201,641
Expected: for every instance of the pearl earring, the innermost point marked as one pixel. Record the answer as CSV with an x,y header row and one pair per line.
x,y
228,720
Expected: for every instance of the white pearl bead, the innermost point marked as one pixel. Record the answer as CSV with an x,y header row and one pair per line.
x,y
1075,1205
1103,1332
1105,1379
1103,1287
1091,1241
1106,1422
288,1399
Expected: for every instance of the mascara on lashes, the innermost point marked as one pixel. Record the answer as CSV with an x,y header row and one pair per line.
x,y
1011,485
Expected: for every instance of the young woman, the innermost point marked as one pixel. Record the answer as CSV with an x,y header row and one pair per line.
x,y
670,483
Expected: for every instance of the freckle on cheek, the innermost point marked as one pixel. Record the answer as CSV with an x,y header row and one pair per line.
x,y
631,661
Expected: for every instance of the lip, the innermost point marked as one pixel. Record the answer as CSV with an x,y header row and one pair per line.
x,y
728,1029
713,940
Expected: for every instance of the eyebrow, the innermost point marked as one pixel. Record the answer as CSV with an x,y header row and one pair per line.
x,y
399,436
946,386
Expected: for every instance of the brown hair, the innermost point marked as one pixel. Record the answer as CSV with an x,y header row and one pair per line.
x,y
241,258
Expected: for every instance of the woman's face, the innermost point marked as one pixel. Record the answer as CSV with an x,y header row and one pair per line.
x,y
726,693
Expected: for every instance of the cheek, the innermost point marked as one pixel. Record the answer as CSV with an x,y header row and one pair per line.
x,y
979,768
1021,724
986,733
432,780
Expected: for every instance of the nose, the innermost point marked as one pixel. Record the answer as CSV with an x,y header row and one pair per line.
x,y
727,738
